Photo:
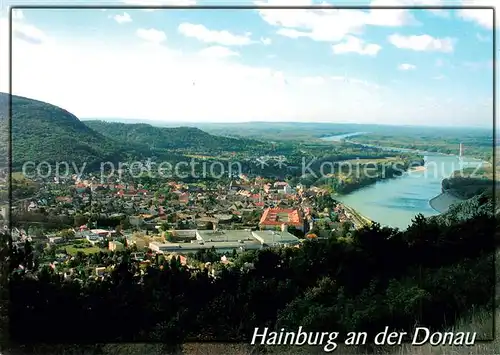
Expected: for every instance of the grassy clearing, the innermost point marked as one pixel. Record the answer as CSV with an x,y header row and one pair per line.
x,y
88,250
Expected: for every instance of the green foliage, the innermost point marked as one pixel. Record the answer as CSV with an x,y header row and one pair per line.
x,y
465,186
428,274
478,143
44,132
187,139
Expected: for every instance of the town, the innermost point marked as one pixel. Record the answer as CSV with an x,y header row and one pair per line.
x,y
202,224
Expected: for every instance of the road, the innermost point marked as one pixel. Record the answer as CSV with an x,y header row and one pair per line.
x,y
358,219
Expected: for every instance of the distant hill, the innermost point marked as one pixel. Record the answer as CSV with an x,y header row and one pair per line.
x,y
179,138
313,130
44,132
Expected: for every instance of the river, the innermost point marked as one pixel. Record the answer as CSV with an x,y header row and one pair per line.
x,y
395,202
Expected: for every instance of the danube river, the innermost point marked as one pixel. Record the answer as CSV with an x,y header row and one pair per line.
x,y
395,202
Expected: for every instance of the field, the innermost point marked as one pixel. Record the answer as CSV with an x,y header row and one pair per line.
x,y
484,172
88,250
81,246
371,161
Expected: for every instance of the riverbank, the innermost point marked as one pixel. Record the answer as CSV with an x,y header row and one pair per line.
x,y
358,219
395,202
442,202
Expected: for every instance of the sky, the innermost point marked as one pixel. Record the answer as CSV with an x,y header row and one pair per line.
x,y
412,67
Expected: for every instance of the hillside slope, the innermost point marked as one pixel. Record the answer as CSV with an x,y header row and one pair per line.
x,y
182,138
44,132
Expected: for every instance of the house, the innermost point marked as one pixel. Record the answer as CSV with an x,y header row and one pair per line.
x,y
115,246
56,240
276,238
273,218
141,242
94,238
101,232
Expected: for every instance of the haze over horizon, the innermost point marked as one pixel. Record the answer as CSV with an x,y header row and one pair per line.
x,y
201,123
396,67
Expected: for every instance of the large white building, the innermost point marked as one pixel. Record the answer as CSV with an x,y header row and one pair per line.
x,y
225,241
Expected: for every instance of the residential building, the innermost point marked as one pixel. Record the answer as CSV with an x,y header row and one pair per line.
x,y
116,246
273,218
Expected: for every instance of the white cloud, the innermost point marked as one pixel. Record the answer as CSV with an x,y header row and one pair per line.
x,y
151,35
289,32
152,82
218,52
159,83
313,80
406,66
23,33
203,34
486,64
422,43
482,38
28,33
357,82
439,62
122,18
392,17
439,77
266,41
332,25
344,80
355,45
483,17
22,30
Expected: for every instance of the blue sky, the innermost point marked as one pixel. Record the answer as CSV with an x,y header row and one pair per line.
x,y
417,67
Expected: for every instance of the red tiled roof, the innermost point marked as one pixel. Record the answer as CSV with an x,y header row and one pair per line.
x,y
274,217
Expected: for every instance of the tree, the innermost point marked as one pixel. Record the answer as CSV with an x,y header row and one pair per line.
x,y
66,234
80,220
164,226
345,228
169,237
125,224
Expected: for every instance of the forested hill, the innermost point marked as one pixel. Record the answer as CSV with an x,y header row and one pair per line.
x,y
184,138
44,132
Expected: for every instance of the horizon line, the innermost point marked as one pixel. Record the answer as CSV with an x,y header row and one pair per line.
x,y
151,122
